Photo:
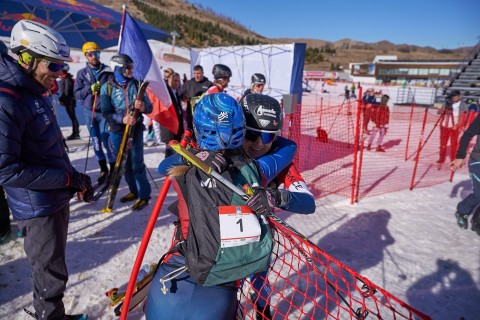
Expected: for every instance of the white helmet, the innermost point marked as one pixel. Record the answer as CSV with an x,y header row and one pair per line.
x,y
38,39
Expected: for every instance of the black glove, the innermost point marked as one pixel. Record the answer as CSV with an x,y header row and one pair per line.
x,y
213,159
79,182
262,201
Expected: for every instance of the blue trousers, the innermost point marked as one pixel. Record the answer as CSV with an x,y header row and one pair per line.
x,y
100,136
467,205
187,300
135,170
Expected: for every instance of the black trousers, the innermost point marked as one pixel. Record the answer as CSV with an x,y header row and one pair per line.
x,y
44,245
70,108
4,212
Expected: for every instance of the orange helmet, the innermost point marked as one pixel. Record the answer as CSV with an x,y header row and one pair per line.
x,y
90,46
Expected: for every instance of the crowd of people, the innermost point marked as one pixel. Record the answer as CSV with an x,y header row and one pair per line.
x,y
240,140
39,179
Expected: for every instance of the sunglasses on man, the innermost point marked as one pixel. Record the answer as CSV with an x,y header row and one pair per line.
x,y
267,137
53,66
92,54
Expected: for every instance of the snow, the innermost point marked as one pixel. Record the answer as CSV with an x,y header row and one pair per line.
x,y
406,242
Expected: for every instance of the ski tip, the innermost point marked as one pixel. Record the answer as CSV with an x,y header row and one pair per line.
x,y
106,210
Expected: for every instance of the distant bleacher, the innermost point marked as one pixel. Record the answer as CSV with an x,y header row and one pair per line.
x,y
467,81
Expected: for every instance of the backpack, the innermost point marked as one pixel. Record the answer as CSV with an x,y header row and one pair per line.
x,y
224,243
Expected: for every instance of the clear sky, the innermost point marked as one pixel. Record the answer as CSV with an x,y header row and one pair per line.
x,y
436,23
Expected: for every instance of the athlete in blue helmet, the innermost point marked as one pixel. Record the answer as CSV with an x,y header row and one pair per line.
x,y
185,285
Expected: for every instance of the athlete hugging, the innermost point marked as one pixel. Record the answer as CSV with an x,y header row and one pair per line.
x,y
200,274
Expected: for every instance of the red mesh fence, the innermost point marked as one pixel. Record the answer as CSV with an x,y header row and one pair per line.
x,y
332,163
307,283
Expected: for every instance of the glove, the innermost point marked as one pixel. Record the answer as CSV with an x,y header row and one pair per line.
x,y
79,182
95,87
262,201
213,159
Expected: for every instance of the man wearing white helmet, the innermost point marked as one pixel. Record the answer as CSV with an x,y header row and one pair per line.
x,y
35,170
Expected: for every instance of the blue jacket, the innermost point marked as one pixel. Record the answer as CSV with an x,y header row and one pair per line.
x,y
34,166
116,98
85,78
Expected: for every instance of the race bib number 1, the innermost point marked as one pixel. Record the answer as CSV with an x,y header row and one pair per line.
x,y
238,226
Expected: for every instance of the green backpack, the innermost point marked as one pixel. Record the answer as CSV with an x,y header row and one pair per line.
x,y
224,243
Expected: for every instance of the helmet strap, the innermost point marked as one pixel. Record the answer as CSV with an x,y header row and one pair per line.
x,y
28,58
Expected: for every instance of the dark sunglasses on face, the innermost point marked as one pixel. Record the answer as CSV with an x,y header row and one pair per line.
x,y
53,66
92,54
253,135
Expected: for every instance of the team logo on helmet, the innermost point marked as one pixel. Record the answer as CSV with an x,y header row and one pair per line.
x,y
263,111
223,117
264,122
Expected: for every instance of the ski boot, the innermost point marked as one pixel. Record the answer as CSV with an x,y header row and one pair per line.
x,y
462,220
102,177
129,197
140,204
476,222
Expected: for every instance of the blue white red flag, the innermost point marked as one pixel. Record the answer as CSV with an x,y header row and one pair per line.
x,y
134,44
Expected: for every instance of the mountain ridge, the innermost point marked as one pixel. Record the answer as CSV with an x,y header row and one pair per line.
x,y
331,55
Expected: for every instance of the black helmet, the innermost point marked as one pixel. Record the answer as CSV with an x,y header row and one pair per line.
x,y
120,60
262,112
221,71
258,78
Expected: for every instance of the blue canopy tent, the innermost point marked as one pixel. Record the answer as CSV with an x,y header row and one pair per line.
x,y
77,21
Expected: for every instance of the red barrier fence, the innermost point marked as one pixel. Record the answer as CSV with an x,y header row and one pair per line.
x,y
334,159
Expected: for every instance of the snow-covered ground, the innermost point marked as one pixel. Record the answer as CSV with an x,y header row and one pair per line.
x,y
427,261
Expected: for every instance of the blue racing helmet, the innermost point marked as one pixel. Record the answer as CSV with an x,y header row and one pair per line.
x,y
218,122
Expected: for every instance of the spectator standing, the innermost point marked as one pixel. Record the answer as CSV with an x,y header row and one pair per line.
x,y
347,93
379,114
453,117
173,89
119,100
4,210
257,86
67,99
87,87
221,78
468,204
35,170
193,88
352,91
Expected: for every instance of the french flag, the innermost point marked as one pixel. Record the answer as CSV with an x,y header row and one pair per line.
x,y
134,44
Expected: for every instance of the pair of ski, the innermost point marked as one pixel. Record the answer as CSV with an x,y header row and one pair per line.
x,y
142,288
122,156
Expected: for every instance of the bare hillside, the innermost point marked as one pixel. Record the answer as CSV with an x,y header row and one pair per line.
x,y
345,50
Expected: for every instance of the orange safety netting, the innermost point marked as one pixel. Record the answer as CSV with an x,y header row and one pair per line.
x,y
334,158
307,283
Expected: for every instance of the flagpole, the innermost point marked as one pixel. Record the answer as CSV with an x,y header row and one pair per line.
x,y
124,11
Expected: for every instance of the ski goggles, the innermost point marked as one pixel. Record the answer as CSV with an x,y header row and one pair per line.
x,y
53,66
267,136
92,54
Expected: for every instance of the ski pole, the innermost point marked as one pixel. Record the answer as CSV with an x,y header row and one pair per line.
x,y
91,128
151,176
147,234
193,159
